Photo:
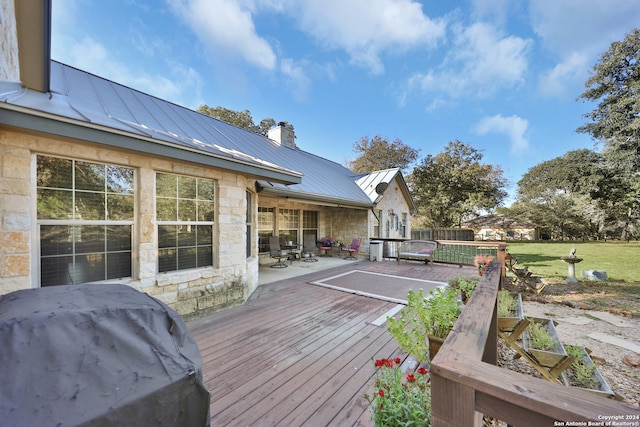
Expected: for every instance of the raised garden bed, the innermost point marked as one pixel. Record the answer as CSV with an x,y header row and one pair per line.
x,y
584,374
510,312
552,352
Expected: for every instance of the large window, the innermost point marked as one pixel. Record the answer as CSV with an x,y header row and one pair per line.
x,y
310,225
289,223
85,218
185,213
266,225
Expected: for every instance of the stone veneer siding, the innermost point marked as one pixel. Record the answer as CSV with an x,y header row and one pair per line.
x,y
190,292
9,64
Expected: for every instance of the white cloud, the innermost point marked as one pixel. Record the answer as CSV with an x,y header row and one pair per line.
x,y
578,32
480,62
226,26
513,127
366,29
295,73
91,56
555,82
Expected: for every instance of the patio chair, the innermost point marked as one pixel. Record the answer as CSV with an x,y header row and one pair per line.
x,y
276,252
326,245
310,249
354,247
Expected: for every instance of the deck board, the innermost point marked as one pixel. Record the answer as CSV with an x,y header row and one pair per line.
x,y
299,354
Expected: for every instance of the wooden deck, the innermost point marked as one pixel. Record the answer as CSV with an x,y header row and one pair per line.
x,y
299,354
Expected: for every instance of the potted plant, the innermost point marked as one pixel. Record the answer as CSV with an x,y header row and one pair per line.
x,y
541,340
481,261
583,372
289,239
510,311
425,322
466,286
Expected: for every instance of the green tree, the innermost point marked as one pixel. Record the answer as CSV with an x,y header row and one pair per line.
x,y
558,195
454,184
615,124
241,119
378,153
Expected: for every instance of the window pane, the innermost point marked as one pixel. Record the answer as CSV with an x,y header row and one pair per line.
x,y
186,210
167,236
205,211
89,205
90,176
167,260
119,180
55,240
187,258
205,256
206,189
54,172
186,235
55,270
119,207
205,236
89,238
90,268
166,185
186,187
55,204
166,209
118,265
118,238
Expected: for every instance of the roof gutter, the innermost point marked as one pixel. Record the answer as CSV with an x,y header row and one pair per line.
x,y
24,118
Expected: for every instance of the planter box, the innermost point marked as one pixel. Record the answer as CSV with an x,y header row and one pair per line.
x,y
546,358
603,387
508,324
434,345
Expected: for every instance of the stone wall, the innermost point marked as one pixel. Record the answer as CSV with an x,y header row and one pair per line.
x,y
9,64
230,282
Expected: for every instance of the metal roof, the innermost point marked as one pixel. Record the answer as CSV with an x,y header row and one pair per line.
x,y
85,106
369,184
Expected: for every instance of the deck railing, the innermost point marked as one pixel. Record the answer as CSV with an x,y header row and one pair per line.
x,y
466,382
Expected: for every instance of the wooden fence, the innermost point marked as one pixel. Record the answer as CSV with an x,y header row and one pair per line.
x,y
442,234
466,382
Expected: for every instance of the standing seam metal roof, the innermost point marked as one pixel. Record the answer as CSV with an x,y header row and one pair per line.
x,y
86,98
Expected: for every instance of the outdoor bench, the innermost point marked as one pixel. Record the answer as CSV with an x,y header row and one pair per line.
x,y
417,249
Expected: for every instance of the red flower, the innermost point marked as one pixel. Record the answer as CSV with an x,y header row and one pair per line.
x,y
398,361
381,393
422,371
411,378
379,363
389,363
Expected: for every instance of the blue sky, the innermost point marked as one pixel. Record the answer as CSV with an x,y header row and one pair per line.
x,y
500,75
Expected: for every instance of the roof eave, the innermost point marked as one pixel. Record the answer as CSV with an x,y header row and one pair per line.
x,y
48,124
321,199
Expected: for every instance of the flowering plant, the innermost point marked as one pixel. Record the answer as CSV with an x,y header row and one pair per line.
x,y
480,260
400,399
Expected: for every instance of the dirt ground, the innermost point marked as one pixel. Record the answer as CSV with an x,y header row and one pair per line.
x,y
589,314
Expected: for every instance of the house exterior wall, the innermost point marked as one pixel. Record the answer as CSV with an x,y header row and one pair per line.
x,y
514,233
9,63
192,292
395,218
342,224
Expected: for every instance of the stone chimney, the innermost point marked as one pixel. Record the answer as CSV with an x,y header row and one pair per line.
x,y
282,135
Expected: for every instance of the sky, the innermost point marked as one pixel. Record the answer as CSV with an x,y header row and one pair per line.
x,y
502,76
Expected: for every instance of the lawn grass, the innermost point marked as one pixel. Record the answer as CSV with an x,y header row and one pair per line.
x,y
621,260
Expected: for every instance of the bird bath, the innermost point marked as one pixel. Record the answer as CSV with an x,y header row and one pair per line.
x,y
572,260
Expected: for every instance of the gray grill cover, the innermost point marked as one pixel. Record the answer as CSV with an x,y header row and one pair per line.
x,y
97,355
